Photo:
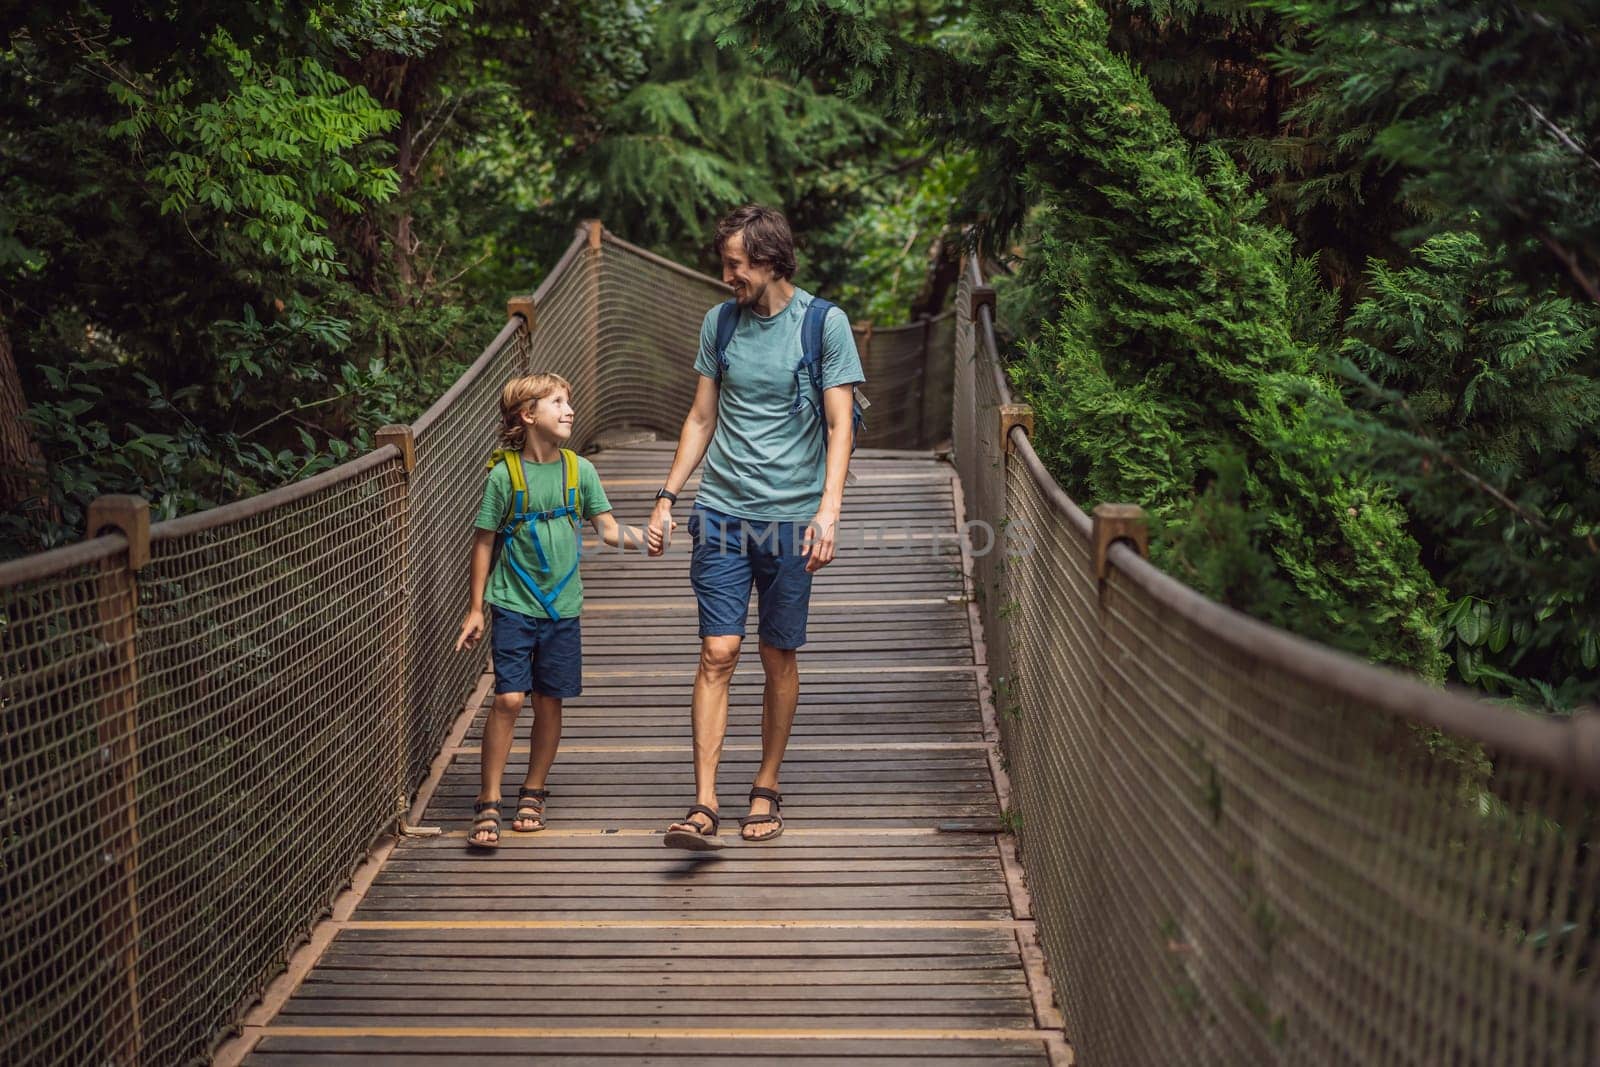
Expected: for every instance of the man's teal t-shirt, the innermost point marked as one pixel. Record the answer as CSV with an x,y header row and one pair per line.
x,y
559,538
766,460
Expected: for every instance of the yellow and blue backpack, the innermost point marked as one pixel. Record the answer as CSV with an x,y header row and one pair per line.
x,y
518,518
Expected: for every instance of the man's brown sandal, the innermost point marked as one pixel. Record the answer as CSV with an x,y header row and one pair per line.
x,y
763,793
696,840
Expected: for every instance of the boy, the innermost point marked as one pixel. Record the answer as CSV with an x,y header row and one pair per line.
x,y
533,589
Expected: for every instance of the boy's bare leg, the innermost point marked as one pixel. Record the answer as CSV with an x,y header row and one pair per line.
x,y
779,697
497,733
718,657
544,737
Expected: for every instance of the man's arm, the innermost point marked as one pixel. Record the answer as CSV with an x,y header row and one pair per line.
x,y
693,440
837,405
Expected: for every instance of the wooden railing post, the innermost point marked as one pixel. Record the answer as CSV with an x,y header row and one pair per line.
x,y
1113,523
117,729
1012,416
588,386
982,297
525,308
398,511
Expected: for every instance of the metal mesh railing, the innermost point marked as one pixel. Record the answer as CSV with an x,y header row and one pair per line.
x,y
648,332
207,724
71,927
190,752
1243,848
910,393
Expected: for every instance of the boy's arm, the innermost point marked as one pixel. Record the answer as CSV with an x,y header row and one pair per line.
x,y
612,532
693,440
482,553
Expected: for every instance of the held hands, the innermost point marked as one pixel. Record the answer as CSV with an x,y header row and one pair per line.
x,y
659,535
819,544
471,630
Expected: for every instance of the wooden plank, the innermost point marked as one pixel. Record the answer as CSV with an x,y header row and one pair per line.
x,y
816,982
603,1020
615,1002
1006,992
992,1050
588,966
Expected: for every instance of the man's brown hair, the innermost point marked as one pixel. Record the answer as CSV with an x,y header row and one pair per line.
x,y
767,240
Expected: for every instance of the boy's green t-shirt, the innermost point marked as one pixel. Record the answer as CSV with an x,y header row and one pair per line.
x,y
559,538
766,461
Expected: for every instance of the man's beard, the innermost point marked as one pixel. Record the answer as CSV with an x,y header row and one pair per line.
x,y
751,295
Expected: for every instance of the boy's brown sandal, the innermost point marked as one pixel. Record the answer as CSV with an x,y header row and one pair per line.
x,y
486,816
530,808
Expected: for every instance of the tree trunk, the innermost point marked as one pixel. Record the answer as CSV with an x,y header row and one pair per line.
x,y
21,461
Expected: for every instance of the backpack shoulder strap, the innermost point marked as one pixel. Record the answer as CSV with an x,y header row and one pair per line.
x,y
811,339
571,494
519,483
727,322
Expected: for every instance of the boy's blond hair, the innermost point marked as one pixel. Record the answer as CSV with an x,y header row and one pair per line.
x,y
515,398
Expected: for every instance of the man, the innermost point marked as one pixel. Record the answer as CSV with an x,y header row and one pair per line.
x,y
769,501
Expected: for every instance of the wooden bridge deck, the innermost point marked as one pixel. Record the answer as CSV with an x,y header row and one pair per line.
x,y
882,927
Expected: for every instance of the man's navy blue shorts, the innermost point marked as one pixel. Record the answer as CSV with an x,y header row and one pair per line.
x,y
730,556
543,656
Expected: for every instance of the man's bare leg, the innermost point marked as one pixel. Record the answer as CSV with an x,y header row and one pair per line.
x,y
497,733
779,697
718,657
544,737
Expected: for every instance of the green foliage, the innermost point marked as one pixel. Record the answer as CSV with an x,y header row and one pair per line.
x,y
1483,110
709,129
268,229
265,155
714,124
174,454
887,248
1215,65
1483,406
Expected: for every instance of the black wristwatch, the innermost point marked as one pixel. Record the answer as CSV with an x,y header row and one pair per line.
x,y
662,492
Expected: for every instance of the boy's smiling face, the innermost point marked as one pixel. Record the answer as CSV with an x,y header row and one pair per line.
x,y
550,416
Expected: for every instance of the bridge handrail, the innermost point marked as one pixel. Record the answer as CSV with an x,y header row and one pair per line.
x,y
1242,846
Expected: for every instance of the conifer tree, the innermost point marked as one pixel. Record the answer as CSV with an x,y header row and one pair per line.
x,y
1483,406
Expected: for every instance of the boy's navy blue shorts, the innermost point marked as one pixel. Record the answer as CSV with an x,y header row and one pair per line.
x,y
543,656
732,555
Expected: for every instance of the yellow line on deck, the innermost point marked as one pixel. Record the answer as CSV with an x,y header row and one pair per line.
x,y
684,747
699,924
746,1033
844,831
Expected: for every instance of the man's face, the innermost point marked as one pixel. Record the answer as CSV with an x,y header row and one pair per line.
x,y
749,280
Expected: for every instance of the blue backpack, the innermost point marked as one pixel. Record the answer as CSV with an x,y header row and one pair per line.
x,y
810,364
